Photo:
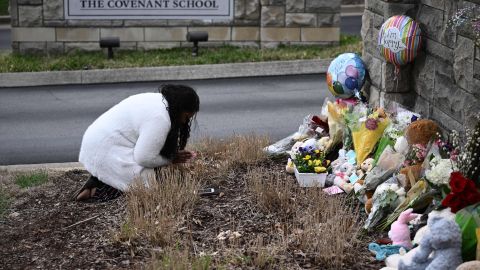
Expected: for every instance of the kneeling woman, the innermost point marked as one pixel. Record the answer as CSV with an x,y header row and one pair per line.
x,y
130,140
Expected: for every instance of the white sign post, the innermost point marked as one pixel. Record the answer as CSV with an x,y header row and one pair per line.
x,y
148,9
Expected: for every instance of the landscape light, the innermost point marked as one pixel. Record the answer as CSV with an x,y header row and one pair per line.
x,y
110,43
196,37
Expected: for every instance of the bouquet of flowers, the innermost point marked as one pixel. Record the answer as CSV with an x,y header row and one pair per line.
x,y
440,170
365,137
463,193
311,161
416,155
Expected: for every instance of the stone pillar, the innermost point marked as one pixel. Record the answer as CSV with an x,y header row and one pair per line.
x,y
443,82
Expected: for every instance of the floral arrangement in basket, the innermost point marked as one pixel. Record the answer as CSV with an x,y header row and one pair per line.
x,y
309,160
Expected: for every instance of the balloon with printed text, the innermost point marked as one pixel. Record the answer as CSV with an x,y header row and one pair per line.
x,y
400,40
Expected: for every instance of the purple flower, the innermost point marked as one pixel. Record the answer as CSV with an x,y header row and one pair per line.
x,y
371,124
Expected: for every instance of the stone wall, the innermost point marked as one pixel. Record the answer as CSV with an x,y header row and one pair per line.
x,y
39,26
443,83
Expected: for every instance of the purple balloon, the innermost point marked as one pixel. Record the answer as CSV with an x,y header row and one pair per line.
x,y
351,71
351,83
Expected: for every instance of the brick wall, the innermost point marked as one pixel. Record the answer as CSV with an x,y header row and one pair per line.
x,y
39,26
443,83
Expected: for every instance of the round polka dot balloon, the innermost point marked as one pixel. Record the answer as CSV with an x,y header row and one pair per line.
x,y
346,75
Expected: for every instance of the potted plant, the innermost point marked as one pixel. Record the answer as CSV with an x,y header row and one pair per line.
x,y
310,167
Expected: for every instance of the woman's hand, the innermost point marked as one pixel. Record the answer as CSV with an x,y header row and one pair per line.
x,y
184,156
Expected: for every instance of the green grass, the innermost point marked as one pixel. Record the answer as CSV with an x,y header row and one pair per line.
x,y
173,57
31,179
4,202
3,7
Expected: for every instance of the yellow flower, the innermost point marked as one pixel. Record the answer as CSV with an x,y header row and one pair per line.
x,y
317,151
328,162
307,157
317,162
320,169
310,163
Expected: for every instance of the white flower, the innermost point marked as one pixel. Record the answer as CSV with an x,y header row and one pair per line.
x,y
439,173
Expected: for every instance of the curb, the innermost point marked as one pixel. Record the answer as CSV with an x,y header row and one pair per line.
x,y
196,72
46,166
348,9
5,19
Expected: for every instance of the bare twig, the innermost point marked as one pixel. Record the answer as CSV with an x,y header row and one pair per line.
x,y
82,221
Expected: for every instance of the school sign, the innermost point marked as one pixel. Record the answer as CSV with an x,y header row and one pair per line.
x,y
64,26
148,9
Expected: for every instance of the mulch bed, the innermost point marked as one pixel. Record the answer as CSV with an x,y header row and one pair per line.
x,y
38,231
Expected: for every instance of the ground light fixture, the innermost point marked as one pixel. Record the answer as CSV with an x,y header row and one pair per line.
x,y
110,43
195,37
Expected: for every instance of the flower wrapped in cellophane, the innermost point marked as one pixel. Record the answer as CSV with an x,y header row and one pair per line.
x,y
367,133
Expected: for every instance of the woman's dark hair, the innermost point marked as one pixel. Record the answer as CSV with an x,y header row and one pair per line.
x,y
180,98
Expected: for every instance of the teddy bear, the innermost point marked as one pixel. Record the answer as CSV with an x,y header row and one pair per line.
x,y
322,143
342,158
366,166
421,132
342,176
399,232
418,134
440,247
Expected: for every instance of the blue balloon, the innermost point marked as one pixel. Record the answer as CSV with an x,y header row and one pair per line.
x,y
336,75
351,83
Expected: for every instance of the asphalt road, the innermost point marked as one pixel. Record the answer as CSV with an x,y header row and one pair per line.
x,y
46,124
5,39
350,25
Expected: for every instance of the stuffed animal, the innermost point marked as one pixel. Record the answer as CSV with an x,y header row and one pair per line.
x,y
342,158
295,149
366,166
399,232
413,171
383,251
290,168
439,249
421,132
472,265
322,143
342,176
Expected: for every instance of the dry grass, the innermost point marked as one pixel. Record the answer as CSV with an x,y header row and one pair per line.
x,y
272,191
156,210
176,259
307,226
218,158
314,224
